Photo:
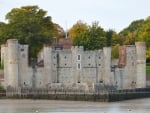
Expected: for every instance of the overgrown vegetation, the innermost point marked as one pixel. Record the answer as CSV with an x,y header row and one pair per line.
x,y
30,25
2,65
1,87
148,70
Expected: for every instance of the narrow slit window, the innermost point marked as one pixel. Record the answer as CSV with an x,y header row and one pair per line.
x,y
79,66
79,57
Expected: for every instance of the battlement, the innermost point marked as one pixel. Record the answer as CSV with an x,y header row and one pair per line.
x,y
77,48
3,45
12,41
140,43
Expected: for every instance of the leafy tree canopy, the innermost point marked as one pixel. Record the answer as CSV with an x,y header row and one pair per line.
x,y
30,25
91,37
138,30
128,35
77,29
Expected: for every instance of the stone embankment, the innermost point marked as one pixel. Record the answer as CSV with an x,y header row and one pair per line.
x,y
103,96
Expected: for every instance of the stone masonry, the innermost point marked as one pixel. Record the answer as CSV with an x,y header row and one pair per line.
x,y
73,68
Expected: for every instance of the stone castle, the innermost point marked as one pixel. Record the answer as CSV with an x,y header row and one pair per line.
x,y
74,68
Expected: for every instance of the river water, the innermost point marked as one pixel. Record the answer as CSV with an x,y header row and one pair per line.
x,y
52,106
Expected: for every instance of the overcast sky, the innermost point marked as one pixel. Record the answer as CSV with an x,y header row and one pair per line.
x,y
111,14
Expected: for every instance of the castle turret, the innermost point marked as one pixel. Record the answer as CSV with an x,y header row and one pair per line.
x,y
108,80
23,78
141,64
47,77
12,63
77,55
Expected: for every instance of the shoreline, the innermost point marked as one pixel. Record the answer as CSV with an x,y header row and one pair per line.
x,y
82,96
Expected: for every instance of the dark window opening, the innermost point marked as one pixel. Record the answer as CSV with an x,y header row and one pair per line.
x,y
101,81
79,57
22,49
79,66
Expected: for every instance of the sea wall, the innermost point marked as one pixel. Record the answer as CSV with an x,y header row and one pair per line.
x,y
76,95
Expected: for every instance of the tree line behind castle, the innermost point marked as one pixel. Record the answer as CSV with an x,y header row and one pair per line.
x,y
31,25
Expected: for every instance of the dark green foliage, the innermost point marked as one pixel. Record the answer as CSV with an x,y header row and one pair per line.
x,y
2,65
148,70
92,38
109,38
30,25
138,30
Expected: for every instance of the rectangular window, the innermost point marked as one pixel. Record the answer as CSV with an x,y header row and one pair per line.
x,y
79,57
78,66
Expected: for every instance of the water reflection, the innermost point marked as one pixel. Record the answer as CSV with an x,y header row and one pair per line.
x,y
51,106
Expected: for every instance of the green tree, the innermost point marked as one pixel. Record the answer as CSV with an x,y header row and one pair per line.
x,y
91,38
30,25
128,36
115,51
111,38
143,33
3,32
77,29
115,39
138,30
109,34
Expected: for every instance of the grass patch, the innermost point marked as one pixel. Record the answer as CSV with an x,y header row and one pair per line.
x,y
148,70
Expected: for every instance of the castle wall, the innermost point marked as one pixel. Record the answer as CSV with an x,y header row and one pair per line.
x,y
2,81
4,62
40,55
119,78
65,67
54,64
47,70
23,65
77,61
73,67
141,64
12,63
89,67
100,66
108,76
129,76
38,79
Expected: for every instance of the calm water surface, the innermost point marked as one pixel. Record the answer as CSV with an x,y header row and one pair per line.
x,y
52,106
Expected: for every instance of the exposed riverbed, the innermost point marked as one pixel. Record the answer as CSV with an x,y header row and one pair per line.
x,y
52,106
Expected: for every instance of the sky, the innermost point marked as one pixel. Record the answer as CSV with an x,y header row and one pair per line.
x,y
111,14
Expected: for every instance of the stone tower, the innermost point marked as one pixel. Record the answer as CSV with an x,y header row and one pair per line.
x,y
141,65
47,76
77,59
108,77
12,63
